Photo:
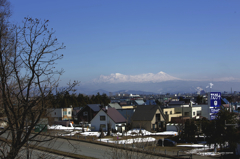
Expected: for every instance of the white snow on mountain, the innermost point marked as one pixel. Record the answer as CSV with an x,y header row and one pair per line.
x,y
148,77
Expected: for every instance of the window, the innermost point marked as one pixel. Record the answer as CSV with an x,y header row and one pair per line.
x,y
103,126
186,113
64,113
102,118
170,112
157,117
69,112
85,113
165,112
55,113
198,113
193,113
153,126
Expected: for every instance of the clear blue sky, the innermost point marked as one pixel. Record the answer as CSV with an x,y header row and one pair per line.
x,y
184,38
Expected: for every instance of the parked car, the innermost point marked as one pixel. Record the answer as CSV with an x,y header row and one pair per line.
x,y
200,140
181,141
167,142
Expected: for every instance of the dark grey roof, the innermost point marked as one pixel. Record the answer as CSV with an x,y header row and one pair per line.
x,y
94,107
176,103
144,112
77,108
126,113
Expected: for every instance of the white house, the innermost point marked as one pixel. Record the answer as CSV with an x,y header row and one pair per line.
x,y
108,116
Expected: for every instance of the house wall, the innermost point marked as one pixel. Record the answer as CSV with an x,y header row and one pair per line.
x,y
67,114
148,125
205,110
169,115
154,120
88,117
142,124
168,110
128,107
194,110
96,122
55,113
58,114
188,110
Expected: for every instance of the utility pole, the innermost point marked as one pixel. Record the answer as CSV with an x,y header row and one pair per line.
x,y
27,144
215,144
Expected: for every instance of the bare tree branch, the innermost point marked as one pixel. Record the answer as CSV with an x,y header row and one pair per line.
x,y
28,55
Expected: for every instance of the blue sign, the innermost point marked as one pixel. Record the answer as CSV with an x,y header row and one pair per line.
x,y
214,104
214,110
212,117
215,99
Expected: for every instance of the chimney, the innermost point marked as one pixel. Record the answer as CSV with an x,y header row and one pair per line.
x,y
106,107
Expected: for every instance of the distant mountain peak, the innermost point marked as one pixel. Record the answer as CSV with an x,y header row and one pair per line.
x,y
148,77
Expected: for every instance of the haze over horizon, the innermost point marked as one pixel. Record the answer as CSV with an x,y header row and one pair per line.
x,y
134,41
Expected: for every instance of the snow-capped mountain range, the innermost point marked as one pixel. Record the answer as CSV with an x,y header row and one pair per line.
x,y
148,77
156,83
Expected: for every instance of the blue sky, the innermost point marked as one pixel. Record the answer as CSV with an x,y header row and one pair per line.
x,y
185,39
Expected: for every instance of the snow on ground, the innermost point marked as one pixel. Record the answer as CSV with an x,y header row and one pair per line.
x,y
128,141
60,127
200,151
133,132
97,134
137,132
193,145
208,153
70,131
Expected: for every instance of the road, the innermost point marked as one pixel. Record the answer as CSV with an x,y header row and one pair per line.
x,y
100,151
36,154
93,150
